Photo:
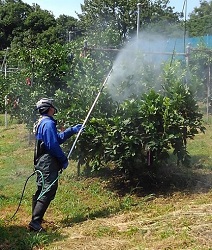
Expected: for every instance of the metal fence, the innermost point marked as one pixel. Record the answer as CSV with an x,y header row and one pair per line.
x,y
179,44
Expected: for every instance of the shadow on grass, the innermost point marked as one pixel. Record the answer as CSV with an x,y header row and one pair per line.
x,y
201,162
13,237
3,197
92,215
163,180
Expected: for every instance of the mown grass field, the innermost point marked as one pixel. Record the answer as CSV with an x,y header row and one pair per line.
x,y
103,212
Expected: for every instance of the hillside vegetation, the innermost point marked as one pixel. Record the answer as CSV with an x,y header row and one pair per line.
x,y
101,211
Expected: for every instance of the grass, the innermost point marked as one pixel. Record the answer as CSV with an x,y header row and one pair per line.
x,y
104,212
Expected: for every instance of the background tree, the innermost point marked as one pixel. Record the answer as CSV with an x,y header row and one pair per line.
x,y
199,23
25,25
200,63
68,27
121,16
37,24
12,17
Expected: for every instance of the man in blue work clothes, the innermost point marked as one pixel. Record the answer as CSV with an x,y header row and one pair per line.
x,y
49,159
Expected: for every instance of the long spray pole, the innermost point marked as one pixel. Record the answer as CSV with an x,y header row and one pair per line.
x,y
89,112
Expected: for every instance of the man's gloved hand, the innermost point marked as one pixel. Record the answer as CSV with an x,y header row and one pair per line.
x,y
65,164
77,128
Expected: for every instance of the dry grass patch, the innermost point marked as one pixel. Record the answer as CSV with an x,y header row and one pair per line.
x,y
188,225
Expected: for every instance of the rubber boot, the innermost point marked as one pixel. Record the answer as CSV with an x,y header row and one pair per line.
x,y
34,201
37,216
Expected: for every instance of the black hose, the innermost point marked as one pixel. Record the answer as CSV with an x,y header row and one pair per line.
x,y
22,194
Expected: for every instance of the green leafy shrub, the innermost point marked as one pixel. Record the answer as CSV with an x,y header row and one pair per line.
x,y
143,131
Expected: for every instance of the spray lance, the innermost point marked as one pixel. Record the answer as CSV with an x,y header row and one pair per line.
x,y
89,112
81,129
78,134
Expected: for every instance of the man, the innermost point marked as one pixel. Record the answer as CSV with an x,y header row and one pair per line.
x,y
49,159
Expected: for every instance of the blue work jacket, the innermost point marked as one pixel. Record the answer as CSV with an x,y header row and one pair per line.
x,y
47,132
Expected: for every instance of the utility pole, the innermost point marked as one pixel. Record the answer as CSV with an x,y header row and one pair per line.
x,y
208,89
5,116
33,64
187,55
4,64
138,19
85,48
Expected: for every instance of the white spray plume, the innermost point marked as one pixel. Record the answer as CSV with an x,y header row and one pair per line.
x,y
137,67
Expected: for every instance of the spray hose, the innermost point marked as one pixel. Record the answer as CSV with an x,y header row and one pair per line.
x,y
22,194
43,191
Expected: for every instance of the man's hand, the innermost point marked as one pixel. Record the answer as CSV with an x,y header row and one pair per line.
x,y
77,128
65,164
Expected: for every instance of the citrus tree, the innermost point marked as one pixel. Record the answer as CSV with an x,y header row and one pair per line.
x,y
144,130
